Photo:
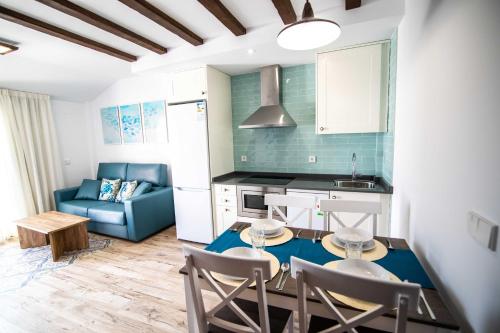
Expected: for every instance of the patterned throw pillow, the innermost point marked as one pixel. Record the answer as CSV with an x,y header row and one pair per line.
x,y
126,191
109,189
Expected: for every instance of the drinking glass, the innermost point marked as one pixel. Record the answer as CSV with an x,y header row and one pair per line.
x,y
258,239
353,249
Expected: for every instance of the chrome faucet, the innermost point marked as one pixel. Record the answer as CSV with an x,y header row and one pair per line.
x,y
353,166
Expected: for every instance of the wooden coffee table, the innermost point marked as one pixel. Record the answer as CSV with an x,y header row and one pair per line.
x,y
64,232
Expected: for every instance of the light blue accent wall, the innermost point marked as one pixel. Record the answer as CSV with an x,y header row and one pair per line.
x,y
386,140
288,149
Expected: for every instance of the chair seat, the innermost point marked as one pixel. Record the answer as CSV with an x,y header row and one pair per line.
x,y
108,212
278,318
78,207
317,324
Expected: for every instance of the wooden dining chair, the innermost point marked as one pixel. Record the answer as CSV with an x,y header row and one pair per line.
x,y
275,201
233,314
331,206
386,295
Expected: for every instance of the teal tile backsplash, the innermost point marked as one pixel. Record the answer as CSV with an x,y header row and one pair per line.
x,y
288,149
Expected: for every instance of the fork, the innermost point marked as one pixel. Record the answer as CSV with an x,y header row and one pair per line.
x,y
389,245
298,233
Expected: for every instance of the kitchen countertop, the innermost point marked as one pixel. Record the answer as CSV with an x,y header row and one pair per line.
x,y
320,182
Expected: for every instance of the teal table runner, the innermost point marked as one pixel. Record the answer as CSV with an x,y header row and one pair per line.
x,y
403,263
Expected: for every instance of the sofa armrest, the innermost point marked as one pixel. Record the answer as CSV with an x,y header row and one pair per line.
x,y
65,195
149,213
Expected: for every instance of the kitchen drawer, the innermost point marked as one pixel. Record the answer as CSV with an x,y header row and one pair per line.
x,y
225,200
225,189
226,217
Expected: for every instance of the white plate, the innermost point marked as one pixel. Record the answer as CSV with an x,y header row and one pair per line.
x,y
370,245
242,252
277,234
353,235
270,226
363,268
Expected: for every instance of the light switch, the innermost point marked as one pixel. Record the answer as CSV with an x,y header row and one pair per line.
x,y
243,158
485,232
312,159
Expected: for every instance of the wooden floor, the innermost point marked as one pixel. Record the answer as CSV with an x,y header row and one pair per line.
x,y
127,287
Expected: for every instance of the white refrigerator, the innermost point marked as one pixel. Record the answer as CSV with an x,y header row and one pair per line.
x,y
188,139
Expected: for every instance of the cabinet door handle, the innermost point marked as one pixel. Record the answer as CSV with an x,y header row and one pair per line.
x,y
227,209
203,92
225,190
334,197
322,129
225,200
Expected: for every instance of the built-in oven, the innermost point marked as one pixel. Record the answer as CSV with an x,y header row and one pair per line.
x,y
251,201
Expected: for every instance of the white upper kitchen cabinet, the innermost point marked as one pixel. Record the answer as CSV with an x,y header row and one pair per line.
x,y
352,89
189,85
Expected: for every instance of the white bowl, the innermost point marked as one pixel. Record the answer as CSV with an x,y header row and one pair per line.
x,y
363,268
270,226
367,246
242,252
353,235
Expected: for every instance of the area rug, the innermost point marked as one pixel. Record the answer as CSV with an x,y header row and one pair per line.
x,y
18,267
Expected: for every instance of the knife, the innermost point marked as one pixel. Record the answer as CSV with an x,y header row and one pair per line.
x,y
287,274
431,313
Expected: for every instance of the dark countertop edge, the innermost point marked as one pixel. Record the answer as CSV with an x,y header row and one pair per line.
x,y
231,179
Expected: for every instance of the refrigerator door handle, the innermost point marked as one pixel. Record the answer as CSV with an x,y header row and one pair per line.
x,y
191,189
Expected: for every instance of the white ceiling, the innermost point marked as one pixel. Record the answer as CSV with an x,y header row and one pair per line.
x,y
68,71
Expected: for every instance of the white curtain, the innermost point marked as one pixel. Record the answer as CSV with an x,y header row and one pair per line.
x,y
30,163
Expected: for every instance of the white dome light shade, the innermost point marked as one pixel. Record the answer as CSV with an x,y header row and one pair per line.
x,y
308,34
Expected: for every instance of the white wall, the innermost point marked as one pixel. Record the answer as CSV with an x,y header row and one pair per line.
x,y
447,153
75,140
126,91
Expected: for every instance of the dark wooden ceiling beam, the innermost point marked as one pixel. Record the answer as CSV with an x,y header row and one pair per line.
x,y
224,16
100,22
156,15
351,4
286,11
32,23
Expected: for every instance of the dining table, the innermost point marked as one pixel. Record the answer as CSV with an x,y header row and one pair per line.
x,y
400,260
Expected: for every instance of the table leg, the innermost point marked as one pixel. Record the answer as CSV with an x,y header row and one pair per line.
x,y
191,315
71,239
30,238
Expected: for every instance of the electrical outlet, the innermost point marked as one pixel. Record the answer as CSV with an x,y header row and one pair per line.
x,y
485,232
243,158
312,159
67,161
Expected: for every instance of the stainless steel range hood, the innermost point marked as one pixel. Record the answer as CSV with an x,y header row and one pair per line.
x,y
270,113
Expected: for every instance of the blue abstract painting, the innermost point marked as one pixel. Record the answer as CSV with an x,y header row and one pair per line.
x,y
131,122
111,125
155,122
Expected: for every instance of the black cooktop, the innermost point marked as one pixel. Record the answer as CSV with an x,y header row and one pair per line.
x,y
271,180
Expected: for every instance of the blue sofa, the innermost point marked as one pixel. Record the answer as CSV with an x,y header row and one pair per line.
x,y
136,218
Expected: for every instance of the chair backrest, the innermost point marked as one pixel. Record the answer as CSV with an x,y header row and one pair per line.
x,y
274,201
201,262
386,295
369,208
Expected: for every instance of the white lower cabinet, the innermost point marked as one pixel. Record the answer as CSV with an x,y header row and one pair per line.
x,y
226,207
383,223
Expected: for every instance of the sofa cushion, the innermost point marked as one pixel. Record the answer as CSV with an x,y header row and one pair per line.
x,y
155,174
109,212
89,190
126,191
78,207
109,189
112,170
143,188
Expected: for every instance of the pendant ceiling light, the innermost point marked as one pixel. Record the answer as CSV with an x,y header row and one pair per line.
x,y
308,33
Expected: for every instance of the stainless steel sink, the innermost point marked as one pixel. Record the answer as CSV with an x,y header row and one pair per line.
x,y
354,183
